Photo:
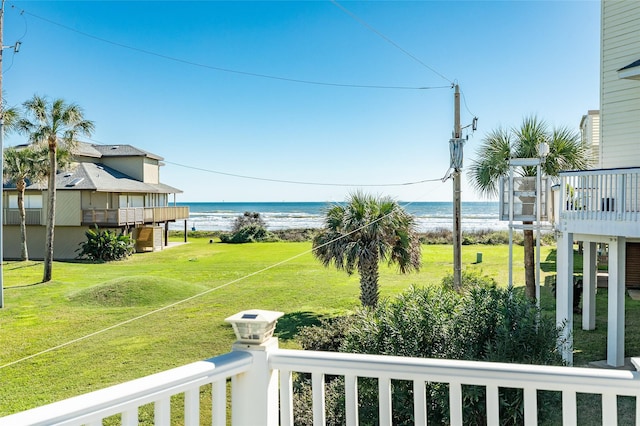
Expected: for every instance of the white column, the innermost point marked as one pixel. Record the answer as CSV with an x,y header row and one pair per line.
x,y
616,290
254,394
589,285
564,294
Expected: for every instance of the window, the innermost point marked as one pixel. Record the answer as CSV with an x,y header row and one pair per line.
x,y
31,201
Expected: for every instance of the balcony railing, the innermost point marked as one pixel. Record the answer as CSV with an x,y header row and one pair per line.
x,y
601,198
262,389
165,214
12,216
133,215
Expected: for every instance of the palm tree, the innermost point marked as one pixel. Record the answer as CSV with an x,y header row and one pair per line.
x,y
363,232
53,123
24,165
566,152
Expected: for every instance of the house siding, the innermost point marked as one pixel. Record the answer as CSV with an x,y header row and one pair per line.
x,y
590,130
130,166
66,241
151,171
95,200
619,98
68,208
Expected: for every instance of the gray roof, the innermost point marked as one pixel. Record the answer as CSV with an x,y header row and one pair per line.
x,y
100,178
124,151
87,150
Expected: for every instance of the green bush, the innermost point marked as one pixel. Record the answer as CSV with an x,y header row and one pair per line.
x,y
248,219
248,234
470,280
478,236
248,228
327,336
295,235
482,323
105,245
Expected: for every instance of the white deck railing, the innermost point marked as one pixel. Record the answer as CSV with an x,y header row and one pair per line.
x,y
125,399
262,389
611,194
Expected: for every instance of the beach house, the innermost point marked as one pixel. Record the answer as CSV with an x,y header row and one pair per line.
x,y
112,186
602,206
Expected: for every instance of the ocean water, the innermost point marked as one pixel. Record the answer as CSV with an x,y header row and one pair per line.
x,y
290,215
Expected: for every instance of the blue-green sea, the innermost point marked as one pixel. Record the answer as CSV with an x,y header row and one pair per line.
x,y
295,215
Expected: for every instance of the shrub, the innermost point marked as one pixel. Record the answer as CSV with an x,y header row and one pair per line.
x,y
470,280
295,235
479,236
247,219
248,234
483,323
248,228
105,245
327,336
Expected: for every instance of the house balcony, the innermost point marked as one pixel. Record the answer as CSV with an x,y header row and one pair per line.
x,y
253,385
600,202
133,216
32,216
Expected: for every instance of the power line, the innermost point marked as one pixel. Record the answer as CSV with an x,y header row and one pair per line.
x,y
388,40
293,182
464,99
300,182
229,70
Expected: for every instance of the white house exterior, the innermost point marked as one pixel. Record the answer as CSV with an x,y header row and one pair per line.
x,y
603,205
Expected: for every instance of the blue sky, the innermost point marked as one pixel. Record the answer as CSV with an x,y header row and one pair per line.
x,y
145,73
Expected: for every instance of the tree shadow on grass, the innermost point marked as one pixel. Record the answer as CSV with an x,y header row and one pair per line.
x,y
549,263
290,324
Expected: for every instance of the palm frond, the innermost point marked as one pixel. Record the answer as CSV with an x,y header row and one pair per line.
x,y
492,162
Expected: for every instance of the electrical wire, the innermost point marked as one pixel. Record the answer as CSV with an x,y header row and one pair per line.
x,y
300,182
13,6
464,100
19,40
164,308
229,70
391,42
293,182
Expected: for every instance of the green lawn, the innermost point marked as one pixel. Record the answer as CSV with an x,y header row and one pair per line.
x,y
87,298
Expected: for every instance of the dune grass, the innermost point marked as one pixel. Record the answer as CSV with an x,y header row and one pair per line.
x,y
86,298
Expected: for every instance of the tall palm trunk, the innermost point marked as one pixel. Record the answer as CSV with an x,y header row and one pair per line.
x,y
51,210
20,186
368,270
529,263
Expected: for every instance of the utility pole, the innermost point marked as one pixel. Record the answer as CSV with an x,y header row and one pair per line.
x,y
1,163
456,153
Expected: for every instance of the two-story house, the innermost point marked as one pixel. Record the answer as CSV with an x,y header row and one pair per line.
x,y
603,205
112,186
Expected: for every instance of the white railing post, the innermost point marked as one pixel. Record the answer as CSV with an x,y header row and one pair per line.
x,y
254,394
620,203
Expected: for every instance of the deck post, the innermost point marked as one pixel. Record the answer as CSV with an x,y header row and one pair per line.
x,y
564,295
589,285
254,394
616,290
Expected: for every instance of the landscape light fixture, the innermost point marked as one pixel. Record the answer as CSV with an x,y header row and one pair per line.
x,y
254,326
